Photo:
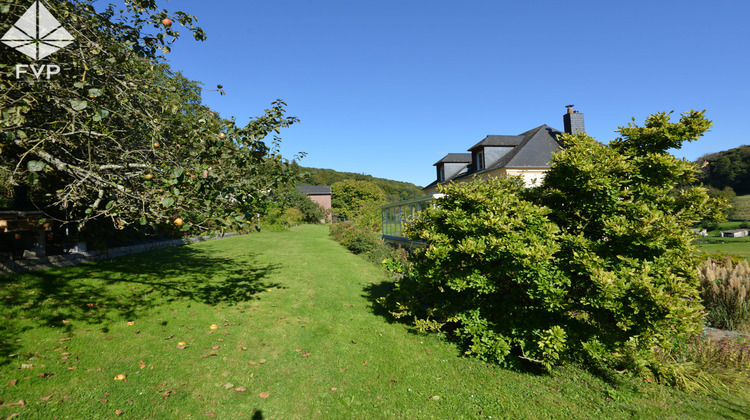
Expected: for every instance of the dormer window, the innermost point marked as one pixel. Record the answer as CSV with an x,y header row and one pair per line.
x,y
480,160
441,173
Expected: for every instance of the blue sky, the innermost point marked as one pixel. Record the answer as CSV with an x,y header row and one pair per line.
x,y
387,88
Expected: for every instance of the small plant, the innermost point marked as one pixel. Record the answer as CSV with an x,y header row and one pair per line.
x,y
701,363
724,288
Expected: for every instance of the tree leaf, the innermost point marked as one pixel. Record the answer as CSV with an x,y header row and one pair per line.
x,y
35,165
100,114
78,105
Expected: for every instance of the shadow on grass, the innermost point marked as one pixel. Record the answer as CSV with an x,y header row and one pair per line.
x,y
374,292
123,288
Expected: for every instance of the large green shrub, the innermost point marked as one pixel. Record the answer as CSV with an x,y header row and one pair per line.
x,y
596,264
488,272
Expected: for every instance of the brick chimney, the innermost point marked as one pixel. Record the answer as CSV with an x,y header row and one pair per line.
x,y
573,121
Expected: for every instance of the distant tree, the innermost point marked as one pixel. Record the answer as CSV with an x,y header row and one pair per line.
x,y
393,190
350,196
291,197
729,168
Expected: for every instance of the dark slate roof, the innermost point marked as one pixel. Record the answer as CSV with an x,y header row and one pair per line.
x,y
432,184
531,149
535,150
455,158
498,141
314,189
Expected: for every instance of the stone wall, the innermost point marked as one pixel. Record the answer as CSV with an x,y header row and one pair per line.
x,y
66,260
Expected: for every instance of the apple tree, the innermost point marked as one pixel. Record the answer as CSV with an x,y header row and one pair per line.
x,y
119,138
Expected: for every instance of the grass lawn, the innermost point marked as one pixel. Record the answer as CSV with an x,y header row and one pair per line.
x,y
297,338
714,243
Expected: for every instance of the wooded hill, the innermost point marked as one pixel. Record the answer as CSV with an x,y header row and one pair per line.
x,y
729,168
394,190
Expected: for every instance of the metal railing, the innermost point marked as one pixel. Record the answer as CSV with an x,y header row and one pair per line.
x,y
396,215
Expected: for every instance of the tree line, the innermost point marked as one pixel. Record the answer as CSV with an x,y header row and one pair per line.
x,y
728,168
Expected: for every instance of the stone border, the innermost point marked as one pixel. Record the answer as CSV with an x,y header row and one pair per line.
x,y
67,260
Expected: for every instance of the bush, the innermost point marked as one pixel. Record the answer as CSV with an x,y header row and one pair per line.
x,y
710,226
355,238
280,219
488,272
595,265
359,241
725,289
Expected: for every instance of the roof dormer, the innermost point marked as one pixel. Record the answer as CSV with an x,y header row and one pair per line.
x,y
452,165
491,149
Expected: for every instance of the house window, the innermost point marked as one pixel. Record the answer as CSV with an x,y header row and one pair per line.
x,y
441,174
480,160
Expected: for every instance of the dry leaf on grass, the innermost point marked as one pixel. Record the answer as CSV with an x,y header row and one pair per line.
x,y
264,395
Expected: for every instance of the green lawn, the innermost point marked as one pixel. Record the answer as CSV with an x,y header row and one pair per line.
x,y
298,338
714,243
